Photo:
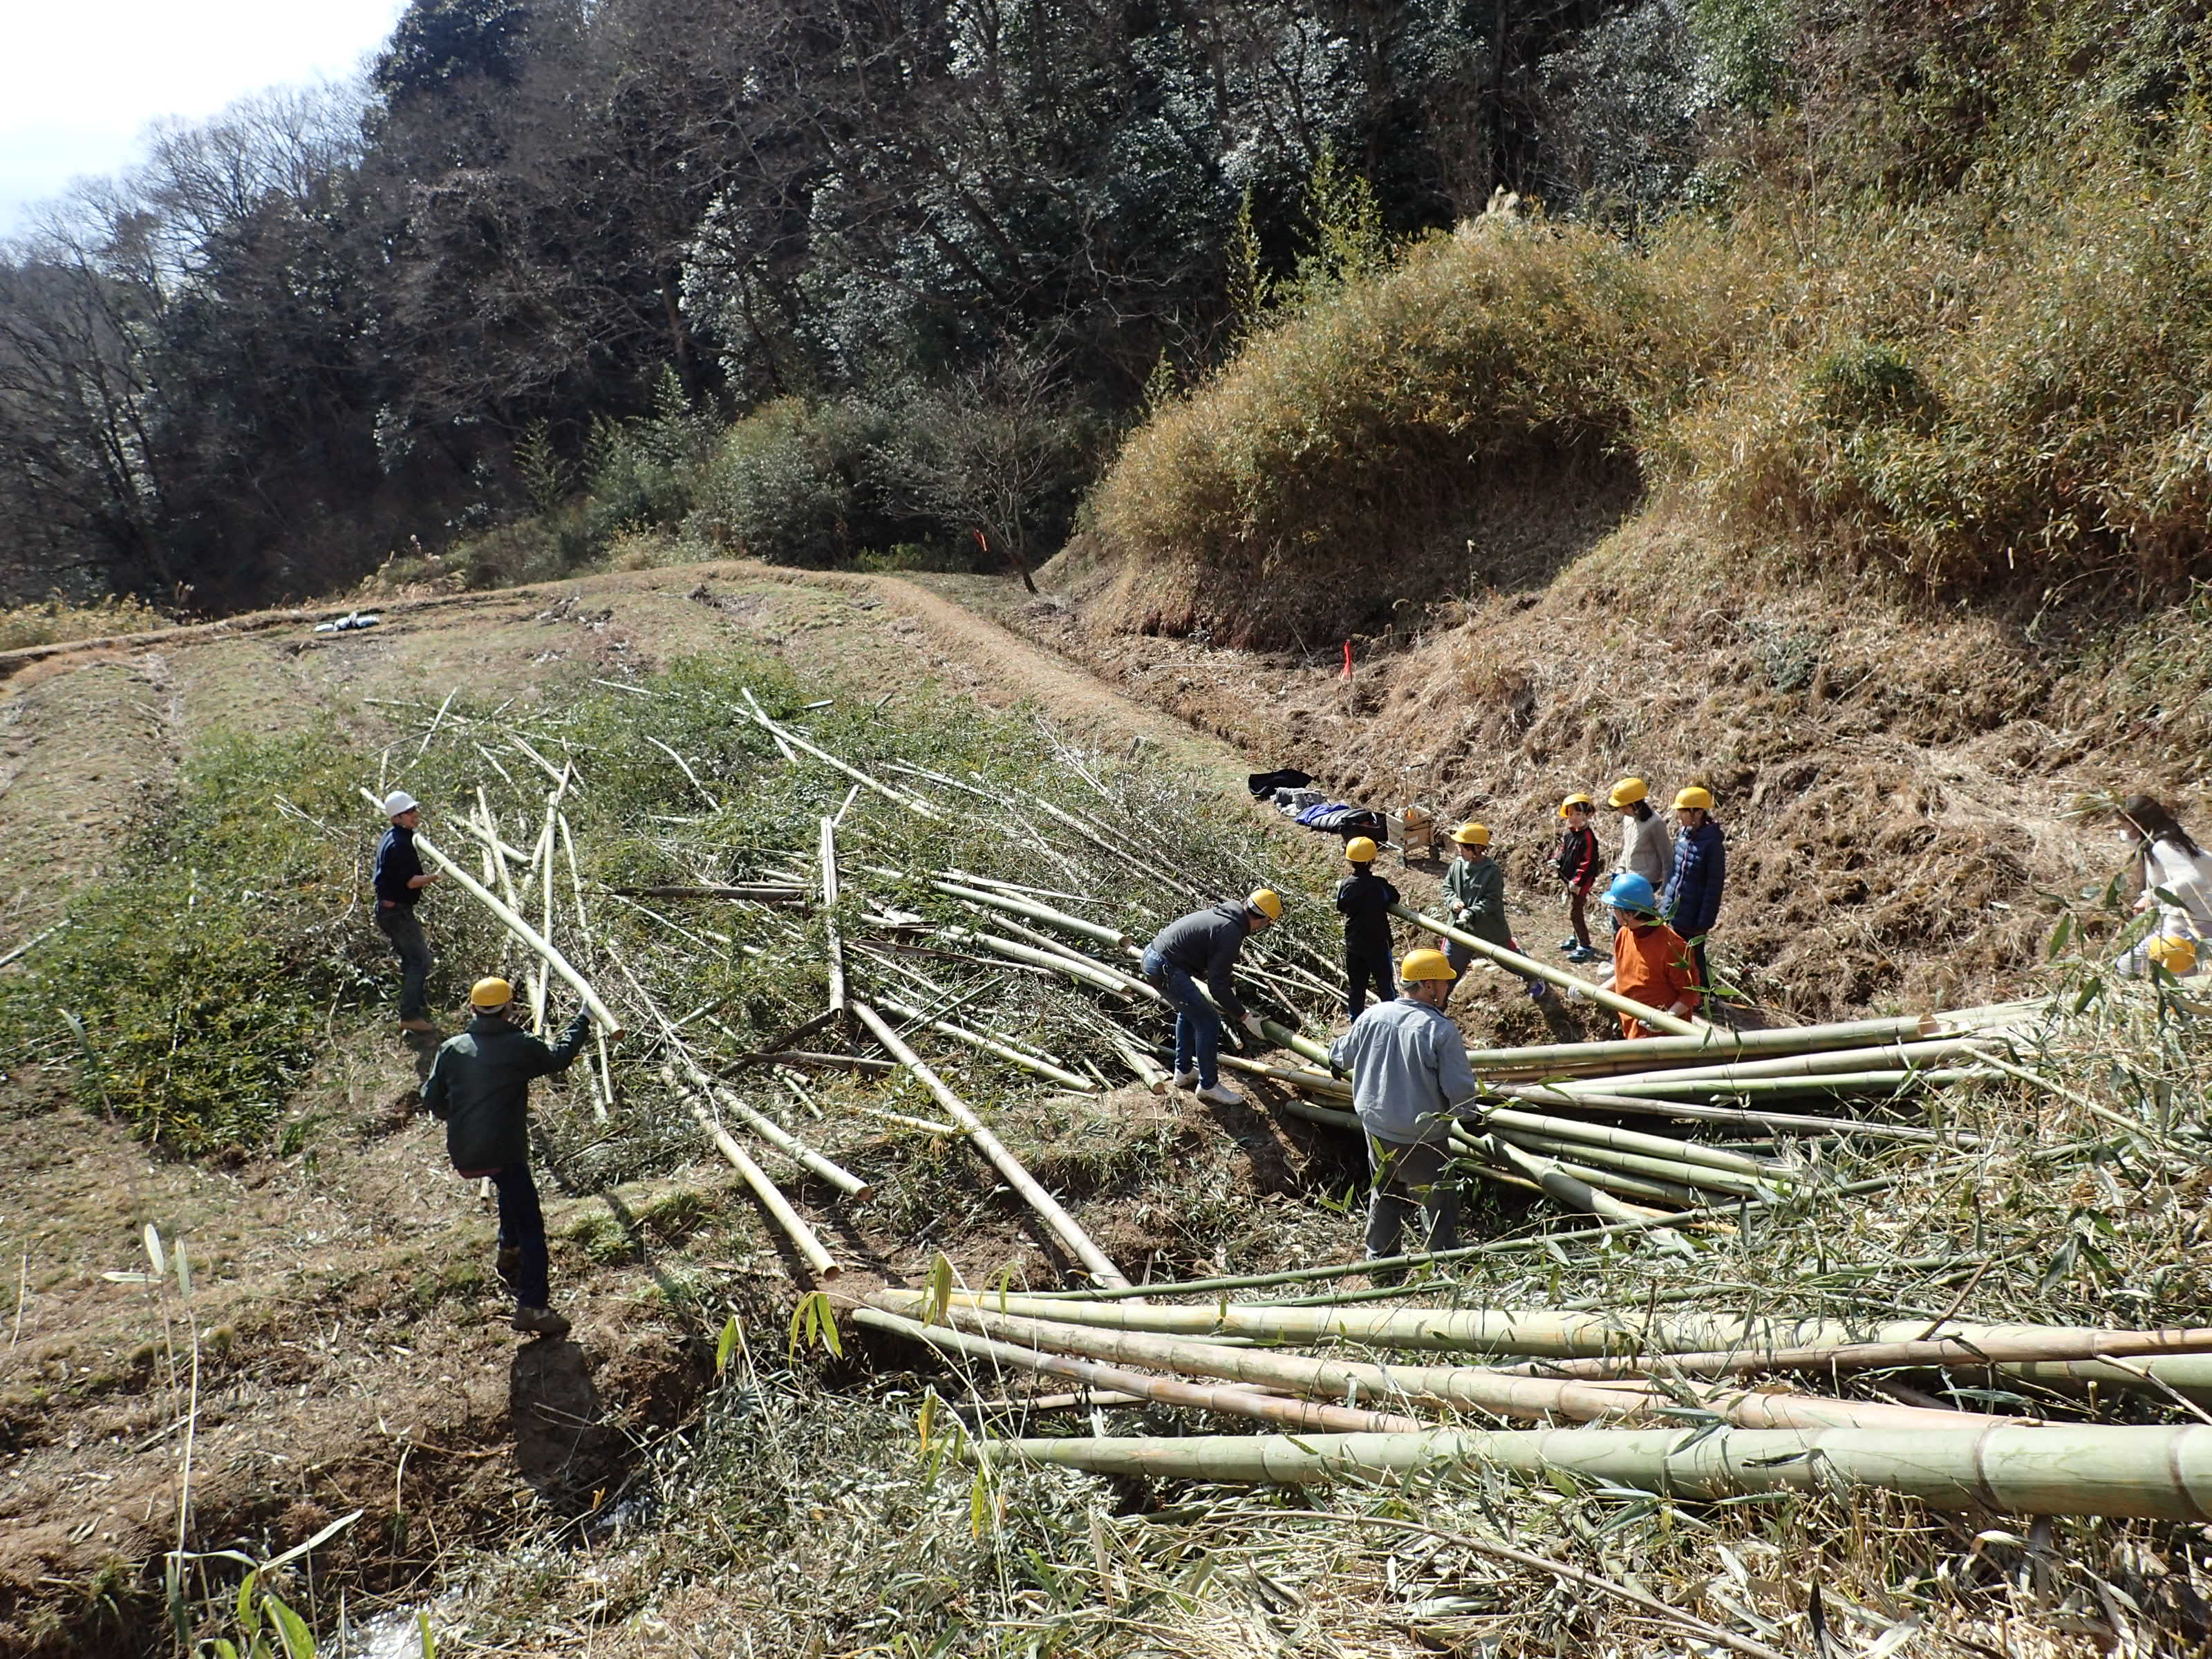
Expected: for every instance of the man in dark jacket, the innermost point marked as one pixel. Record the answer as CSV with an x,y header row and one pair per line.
x,y
1693,898
1204,945
1364,900
479,1088
400,881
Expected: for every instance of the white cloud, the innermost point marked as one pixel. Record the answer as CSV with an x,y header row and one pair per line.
x,y
79,83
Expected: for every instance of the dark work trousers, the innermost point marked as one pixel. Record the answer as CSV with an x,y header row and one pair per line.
x,y
1198,1028
399,925
522,1229
1578,915
1409,1179
1362,966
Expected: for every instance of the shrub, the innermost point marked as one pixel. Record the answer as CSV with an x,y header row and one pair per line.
x,y
791,483
57,620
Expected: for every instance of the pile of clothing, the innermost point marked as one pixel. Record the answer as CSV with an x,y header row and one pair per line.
x,y
1292,794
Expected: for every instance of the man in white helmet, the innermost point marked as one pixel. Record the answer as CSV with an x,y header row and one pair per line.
x,y
400,881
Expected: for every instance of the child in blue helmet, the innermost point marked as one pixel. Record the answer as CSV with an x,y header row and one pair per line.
x,y
1651,962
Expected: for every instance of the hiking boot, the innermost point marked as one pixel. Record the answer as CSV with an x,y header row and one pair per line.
x,y
1221,1095
540,1321
507,1264
1184,1079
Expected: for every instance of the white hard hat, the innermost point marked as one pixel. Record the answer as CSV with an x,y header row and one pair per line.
x,y
400,801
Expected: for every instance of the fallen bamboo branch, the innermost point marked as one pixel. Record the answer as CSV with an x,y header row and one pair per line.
x,y
835,951
1738,1117
822,1264
1525,966
989,1045
827,1062
1111,937
521,930
1951,1352
1170,1391
1061,1225
2153,1473
785,735
602,1097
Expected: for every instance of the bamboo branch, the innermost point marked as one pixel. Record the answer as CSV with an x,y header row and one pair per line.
x,y
1528,965
810,1248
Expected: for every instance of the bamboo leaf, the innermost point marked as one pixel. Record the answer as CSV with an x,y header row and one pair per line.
x,y
423,1631
940,1291
292,1629
154,1253
726,1345
249,1615
926,1420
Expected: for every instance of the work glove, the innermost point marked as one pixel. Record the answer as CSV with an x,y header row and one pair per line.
x,y
1251,1023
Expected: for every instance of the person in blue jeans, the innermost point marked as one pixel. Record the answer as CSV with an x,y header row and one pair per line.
x,y
479,1088
1203,946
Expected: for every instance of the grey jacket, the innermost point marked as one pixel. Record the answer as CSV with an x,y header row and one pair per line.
x,y
1409,1069
1205,944
1647,850
479,1084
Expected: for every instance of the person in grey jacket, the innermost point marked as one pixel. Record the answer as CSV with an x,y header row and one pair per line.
x,y
1409,1076
1204,945
479,1088
1646,841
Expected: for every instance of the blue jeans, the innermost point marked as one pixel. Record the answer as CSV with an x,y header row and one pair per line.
x,y
522,1228
1198,1028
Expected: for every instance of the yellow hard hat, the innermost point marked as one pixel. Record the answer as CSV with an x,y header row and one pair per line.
x,y
1360,849
1626,792
1268,902
2174,953
490,995
1582,801
1420,965
1695,796
1472,835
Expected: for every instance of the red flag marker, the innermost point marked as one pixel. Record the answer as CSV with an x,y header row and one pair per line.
x,y
1347,661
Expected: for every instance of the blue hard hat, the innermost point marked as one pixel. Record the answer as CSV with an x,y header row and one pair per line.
x,y
1630,891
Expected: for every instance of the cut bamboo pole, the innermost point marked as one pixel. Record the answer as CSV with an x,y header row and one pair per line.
x,y
1468,1388
2058,1346
2153,1474
822,1264
1674,1196
836,944
1059,1074
1172,1391
1884,1056
522,930
1678,1175
1075,967
1715,1044
783,734
1575,1193
1111,937
1048,1208
1887,1082
544,860
604,1095
766,1126
1700,1112
1631,1140
1563,1335
1559,976
483,839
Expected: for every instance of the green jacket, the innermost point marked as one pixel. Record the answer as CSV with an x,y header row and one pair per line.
x,y
1475,892
479,1087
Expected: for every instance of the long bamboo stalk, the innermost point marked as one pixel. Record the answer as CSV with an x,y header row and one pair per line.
x,y
1048,1208
1701,1112
1111,937
1068,963
1562,1335
784,734
1575,1193
1671,1195
1544,971
604,1095
521,929
2057,1346
1715,1045
835,943
1059,1074
1631,1140
769,1130
810,1248
1473,1387
1884,1056
2155,1473
1172,1391
1679,1172
1886,1082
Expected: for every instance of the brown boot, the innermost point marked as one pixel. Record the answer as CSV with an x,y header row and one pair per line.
x,y
540,1321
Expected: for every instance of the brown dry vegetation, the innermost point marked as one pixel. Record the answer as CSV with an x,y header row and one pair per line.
x,y
1893,777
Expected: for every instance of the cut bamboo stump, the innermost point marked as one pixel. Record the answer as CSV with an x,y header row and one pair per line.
x,y
521,930
1061,1225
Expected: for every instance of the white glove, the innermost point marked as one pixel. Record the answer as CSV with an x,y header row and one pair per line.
x,y
1251,1023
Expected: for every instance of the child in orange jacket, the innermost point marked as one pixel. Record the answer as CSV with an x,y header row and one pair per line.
x,y
1651,962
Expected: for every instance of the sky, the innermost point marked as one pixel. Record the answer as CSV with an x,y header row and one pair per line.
x,y
81,80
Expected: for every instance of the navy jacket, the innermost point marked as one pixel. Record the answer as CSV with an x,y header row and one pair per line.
x,y
479,1084
1205,944
396,861
1365,900
1692,899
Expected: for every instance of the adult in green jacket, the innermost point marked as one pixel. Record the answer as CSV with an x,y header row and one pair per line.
x,y
479,1088
1474,899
